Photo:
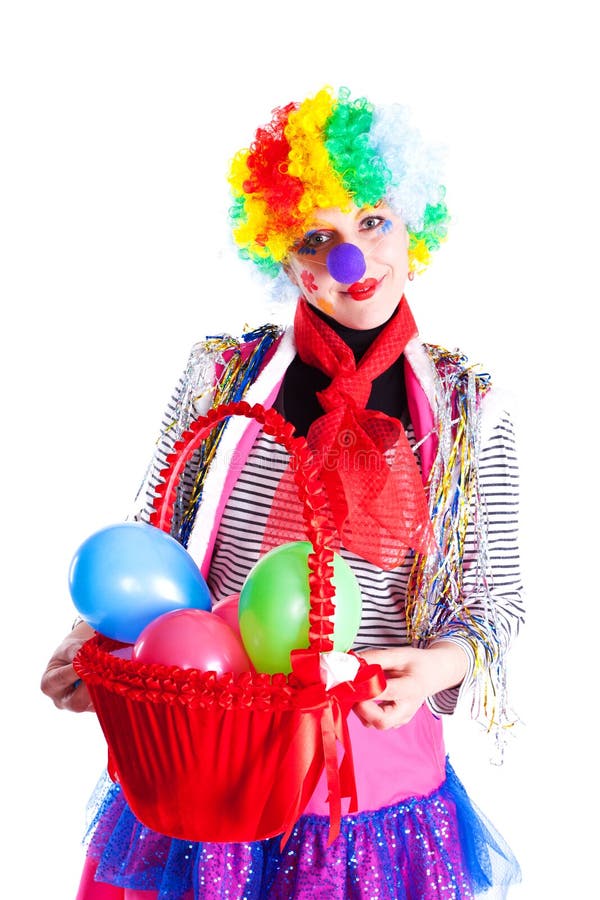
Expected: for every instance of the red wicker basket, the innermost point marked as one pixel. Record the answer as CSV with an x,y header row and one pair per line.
x,y
231,758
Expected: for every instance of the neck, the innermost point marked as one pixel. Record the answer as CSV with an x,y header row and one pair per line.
x,y
357,339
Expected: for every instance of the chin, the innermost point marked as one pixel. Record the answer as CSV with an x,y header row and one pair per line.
x,y
361,317
366,314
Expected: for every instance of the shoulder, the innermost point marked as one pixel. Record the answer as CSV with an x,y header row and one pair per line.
x,y
221,347
457,372
445,376
215,352
222,366
467,381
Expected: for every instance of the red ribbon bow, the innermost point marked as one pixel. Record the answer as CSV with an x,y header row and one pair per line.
x,y
334,706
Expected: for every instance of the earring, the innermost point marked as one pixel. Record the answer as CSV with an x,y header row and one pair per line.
x,y
411,275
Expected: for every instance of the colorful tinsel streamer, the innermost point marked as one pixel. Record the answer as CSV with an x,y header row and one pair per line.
x,y
237,368
437,594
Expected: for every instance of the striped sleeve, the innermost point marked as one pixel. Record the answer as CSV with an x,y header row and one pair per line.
x,y
498,605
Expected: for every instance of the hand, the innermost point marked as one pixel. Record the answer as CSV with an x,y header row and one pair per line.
x,y
412,676
60,680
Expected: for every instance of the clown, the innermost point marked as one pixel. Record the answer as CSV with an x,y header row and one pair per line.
x,y
340,203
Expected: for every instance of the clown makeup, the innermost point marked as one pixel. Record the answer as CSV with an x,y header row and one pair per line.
x,y
352,265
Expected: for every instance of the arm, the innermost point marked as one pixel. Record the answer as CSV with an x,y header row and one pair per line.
x,y
494,603
466,655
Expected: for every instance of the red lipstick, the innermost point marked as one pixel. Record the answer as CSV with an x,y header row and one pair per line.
x,y
363,290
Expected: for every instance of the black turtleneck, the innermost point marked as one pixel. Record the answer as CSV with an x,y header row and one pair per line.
x,y
302,382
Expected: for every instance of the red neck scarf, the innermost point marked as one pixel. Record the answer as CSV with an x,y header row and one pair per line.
x,y
372,479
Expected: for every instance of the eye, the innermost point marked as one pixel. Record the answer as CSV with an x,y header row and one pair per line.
x,y
370,223
314,240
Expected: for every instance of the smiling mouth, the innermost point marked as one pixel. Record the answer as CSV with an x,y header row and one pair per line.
x,y
363,290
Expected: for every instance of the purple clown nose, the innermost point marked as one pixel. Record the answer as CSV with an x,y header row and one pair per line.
x,y
346,263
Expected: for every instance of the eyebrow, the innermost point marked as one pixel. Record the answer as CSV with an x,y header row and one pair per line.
x,y
323,223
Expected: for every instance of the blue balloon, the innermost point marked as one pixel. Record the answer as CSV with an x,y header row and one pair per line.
x,y
125,576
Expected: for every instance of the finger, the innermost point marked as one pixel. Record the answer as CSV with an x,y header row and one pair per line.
x,y
71,650
398,689
77,699
360,710
58,679
390,716
391,691
387,658
369,713
384,715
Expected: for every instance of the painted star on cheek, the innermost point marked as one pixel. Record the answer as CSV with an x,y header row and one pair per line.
x,y
308,280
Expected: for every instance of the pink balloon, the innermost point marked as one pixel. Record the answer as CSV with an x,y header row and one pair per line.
x,y
192,639
227,609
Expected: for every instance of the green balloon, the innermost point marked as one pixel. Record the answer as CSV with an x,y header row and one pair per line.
x,y
275,601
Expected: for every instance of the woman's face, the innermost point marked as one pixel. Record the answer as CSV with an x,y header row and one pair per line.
x,y
383,240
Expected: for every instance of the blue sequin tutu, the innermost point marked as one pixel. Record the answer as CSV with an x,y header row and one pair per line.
x,y
424,847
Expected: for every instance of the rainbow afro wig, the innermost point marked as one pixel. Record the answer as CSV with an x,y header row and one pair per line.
x,y
330,151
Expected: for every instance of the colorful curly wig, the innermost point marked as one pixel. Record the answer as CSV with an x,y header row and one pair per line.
x,y
333,151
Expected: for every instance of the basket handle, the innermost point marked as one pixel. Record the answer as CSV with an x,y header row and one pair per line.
x,y
310,491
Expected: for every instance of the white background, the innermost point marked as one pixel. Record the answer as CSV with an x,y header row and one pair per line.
x,y
118,120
